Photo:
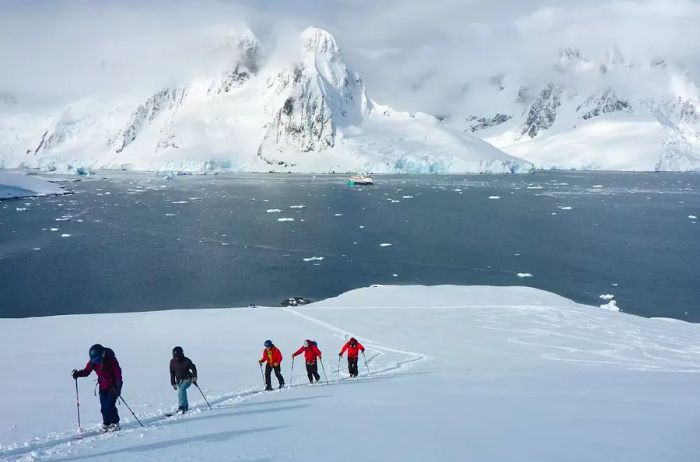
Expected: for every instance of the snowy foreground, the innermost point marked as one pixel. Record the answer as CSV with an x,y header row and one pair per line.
x,y
17,184
457,373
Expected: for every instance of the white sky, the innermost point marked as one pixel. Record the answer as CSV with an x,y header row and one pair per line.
x,y
413,54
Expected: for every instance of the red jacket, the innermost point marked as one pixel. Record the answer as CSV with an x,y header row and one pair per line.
x,y
272,356
109,374
311,352
353,351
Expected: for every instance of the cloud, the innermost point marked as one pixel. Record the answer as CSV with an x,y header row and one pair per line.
x,y
58,51
413,54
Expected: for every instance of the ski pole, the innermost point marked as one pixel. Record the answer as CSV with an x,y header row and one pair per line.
x,y
205,398
77,404
324,370
291,374
365,358
132,412
339,366
261,373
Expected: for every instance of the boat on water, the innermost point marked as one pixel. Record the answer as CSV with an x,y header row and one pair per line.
x,y
361,180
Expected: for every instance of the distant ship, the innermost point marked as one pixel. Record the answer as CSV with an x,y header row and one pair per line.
x,y
361,180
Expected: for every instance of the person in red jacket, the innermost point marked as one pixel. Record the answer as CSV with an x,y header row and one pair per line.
x,y
273,356
311,352
109,377
353,347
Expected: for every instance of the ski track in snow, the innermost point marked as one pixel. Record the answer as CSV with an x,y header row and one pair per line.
x,y
67,444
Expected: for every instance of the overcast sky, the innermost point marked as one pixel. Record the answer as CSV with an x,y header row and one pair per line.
x,y
412,54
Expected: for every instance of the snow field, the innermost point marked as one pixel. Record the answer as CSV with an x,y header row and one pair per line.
x,y
459,373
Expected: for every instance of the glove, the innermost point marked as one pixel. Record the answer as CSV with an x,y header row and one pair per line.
x,y
74,374
117,388
174,387
340,355
194,380
261,361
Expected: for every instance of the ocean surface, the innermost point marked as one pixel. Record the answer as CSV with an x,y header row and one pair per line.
x,y
134,242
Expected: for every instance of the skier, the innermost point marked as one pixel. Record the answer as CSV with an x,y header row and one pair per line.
x,y
311,352
273,356
354,347
183,373
109,377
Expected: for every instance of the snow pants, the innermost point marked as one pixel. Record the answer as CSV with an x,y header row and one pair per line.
x,y
182,395
268,375
312,372
352,366
108,407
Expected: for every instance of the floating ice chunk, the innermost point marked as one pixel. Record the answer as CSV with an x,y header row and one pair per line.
x,y
36,248
285,219
395,202
395,275
611,305
564,207
362,226
407,197
273,210
169,214
300,206
535,187
21,209
607,296
690,217
313,259
65,235
525,275
179,202
493,198
54,229
338,214
385,244
597,185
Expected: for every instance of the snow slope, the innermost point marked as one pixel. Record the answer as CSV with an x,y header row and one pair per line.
x,y
18,184
457,373
306,112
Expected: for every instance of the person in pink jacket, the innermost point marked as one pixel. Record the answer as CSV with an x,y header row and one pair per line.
x,y
109,377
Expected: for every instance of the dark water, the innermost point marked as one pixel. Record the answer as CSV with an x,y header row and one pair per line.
x,y
133,247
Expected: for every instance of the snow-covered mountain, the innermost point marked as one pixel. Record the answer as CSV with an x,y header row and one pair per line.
x,y
307,114
611,114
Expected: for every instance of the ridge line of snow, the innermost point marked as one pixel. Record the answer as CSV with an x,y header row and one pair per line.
x,y
367,342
